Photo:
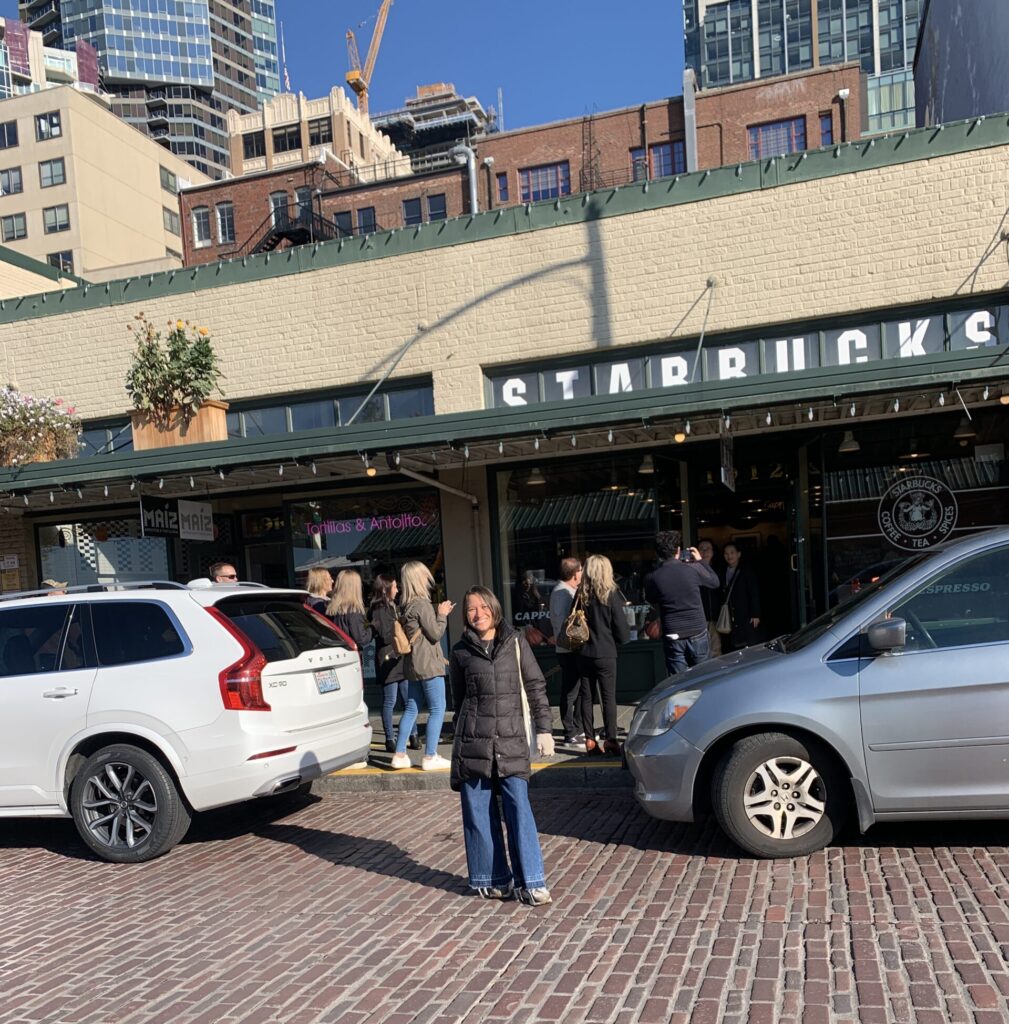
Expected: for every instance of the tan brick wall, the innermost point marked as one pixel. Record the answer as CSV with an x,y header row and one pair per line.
x,y
896,235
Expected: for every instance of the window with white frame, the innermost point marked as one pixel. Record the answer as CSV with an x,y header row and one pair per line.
x,y
201,227
225,222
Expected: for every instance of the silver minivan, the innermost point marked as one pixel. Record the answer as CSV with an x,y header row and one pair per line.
x,y
893,706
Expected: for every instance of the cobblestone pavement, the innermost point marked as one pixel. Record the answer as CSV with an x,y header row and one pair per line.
x,y
354,910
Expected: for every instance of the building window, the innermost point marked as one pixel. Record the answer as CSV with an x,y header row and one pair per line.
x,y
436,209
664,160
344,222
287,139
169,182
52,172
777,138
63,261
225,222
366,224
13,227
201,227
47,126
411,212
826,129
171,221
8,134
502,187
56,218
320,131
253,145
548,181
10,181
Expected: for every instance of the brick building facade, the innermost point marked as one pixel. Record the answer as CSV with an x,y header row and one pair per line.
x,y
544,161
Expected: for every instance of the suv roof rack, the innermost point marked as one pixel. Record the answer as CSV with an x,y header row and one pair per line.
x,y
93,588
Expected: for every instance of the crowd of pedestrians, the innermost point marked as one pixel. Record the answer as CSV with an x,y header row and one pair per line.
x,y
502,717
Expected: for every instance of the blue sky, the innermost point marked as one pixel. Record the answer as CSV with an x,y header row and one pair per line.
x,y
553,58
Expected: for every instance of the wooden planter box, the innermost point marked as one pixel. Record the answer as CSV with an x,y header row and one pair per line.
x,y
209,424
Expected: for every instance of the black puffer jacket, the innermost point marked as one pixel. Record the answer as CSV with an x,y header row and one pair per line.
x,y
489,724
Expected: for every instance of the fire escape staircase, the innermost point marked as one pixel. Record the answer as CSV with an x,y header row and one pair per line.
x,y
286,226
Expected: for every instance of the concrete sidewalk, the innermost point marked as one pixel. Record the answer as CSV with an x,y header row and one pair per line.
x,y
569,768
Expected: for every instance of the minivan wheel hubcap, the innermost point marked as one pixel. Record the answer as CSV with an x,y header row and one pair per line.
x,y
784,798
120,807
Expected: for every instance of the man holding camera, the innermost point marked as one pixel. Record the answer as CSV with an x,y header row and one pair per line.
x,y
675,589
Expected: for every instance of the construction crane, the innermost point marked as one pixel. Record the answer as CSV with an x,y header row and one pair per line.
x,y
359,79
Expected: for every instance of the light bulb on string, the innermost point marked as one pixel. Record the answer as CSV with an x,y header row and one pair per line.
x,y
984,394
574,441
500,447
609,436
810,414
536,443
896,405
220,473
161,483
686,428
51,497
80,494
728,421
768,419
314,470
26,498
852,409
106,489
280,470
133,485
465,451
192,483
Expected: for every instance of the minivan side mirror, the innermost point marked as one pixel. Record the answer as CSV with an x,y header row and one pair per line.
x,y
888,635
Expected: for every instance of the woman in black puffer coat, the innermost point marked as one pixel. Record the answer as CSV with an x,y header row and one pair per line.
x,y
491,666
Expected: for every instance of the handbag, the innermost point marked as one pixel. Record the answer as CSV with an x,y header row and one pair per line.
x,y
527,717
400,641
575,634
723,624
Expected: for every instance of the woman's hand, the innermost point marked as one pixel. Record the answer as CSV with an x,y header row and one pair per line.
x,y
445,608
545,744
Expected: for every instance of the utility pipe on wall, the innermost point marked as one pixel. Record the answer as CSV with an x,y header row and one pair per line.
x,y
463,154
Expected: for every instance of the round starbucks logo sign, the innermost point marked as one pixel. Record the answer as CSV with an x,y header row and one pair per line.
x,y
917,512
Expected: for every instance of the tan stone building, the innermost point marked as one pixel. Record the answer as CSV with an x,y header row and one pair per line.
x,y
83,190
755,354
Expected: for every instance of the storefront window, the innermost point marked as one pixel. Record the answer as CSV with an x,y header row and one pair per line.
x,y
611,505
101,551
372,533
885,497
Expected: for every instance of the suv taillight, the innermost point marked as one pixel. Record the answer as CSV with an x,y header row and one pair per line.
x,y
242,682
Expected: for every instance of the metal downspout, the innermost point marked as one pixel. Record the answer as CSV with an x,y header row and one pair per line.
x,y
463,154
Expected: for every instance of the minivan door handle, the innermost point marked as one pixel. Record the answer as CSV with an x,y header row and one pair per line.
x,y
59,693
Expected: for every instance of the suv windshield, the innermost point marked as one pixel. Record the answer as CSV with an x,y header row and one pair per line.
x,y
280,626
815,629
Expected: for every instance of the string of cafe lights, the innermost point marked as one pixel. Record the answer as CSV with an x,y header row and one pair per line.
x,y
657,430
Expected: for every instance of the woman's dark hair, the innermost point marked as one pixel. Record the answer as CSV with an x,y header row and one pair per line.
x,y
381,587
489,598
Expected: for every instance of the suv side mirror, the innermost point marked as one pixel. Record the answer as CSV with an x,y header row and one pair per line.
x,y
888,635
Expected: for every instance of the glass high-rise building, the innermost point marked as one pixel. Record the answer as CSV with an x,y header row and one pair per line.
x,y
173,67
729,41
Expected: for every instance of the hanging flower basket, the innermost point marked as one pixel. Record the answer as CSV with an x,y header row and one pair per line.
x,y
36,429
170,382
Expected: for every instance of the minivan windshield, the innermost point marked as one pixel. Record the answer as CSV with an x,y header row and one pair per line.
x,y
815,629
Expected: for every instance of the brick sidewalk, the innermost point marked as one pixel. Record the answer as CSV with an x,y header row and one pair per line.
x,y
354,910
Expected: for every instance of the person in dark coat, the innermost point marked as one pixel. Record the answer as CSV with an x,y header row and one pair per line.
x,y
597,660
741,591
388,661
492,666
346,607
319,585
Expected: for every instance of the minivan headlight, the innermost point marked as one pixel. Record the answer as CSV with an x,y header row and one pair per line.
x,y
663,715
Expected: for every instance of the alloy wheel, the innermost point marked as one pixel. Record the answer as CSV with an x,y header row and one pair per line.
x,y
784,797
120,806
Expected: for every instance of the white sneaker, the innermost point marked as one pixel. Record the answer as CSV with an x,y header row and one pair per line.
x,y
401,761
534,897
358,764
435,763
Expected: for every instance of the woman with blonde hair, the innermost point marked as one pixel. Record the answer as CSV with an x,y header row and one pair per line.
x,y
597,660
424,666
319,584
346,607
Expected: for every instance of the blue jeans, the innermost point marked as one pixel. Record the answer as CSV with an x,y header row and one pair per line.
x,y
485,844
433,692
390,691
681,654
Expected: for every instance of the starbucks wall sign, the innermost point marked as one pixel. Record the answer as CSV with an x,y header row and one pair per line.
x,y
917,512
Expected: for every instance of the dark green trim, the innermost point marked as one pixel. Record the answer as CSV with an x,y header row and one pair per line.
x,y
989,364
849,158
23,262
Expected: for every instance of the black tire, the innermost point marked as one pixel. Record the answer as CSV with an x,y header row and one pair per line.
x,y
126,806
745,791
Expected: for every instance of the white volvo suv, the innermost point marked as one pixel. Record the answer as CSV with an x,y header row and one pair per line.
x,y
130,707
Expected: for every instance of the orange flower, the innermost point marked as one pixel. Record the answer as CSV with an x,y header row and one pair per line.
x,y
204,331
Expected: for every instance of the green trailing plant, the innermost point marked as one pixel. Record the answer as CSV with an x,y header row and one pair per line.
x,y
36,429
171,376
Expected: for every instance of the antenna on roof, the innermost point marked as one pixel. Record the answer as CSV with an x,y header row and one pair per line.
x,y
500,109
283,60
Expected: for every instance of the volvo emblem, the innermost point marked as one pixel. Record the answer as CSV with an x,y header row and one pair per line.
x,y
917,512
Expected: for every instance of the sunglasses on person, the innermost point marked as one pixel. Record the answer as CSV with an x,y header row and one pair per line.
x,y
227,576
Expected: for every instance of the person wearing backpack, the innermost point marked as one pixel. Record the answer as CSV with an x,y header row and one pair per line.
x,y
424,666
390,646
573,695
603,605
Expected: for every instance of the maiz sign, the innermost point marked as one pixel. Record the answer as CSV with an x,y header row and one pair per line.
x,y
897,339
917,512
